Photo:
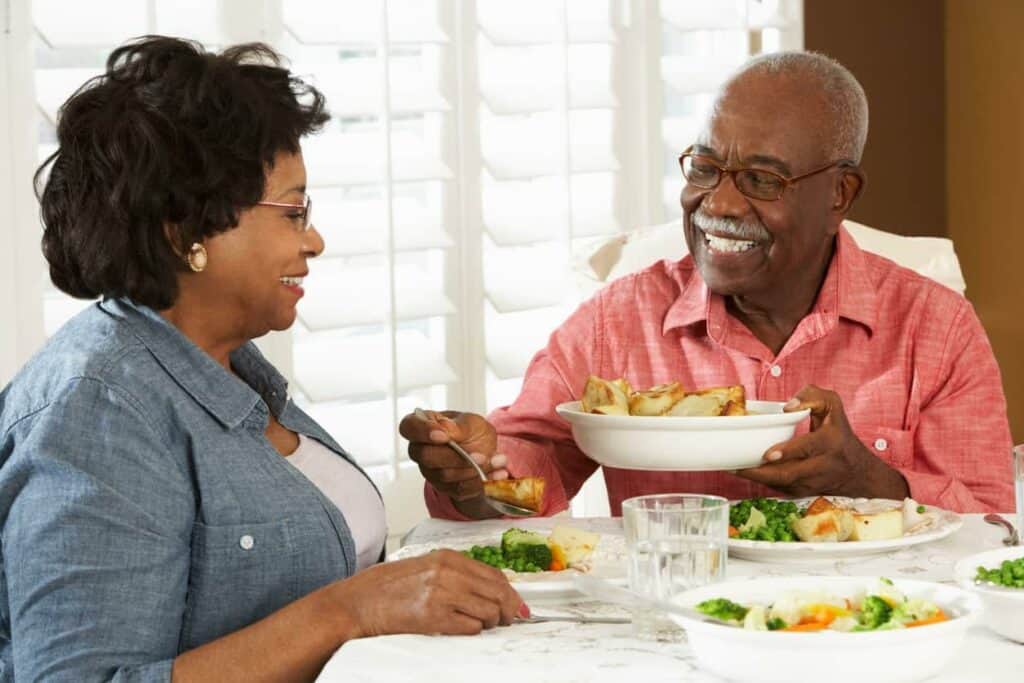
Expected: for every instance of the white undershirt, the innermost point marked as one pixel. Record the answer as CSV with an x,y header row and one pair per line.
x,y
350,491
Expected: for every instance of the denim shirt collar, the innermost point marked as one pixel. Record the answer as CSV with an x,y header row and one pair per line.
x,y
226,398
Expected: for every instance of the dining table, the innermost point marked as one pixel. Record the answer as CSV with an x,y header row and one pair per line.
x,y
570,651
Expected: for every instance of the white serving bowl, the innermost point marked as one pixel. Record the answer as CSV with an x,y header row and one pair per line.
x,y
877,656
681,443
1004,607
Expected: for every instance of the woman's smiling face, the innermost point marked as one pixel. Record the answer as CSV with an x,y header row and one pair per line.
x,y
255,270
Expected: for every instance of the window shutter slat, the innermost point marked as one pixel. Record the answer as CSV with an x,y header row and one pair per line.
x,y
357,159
73,24
335,367
357,22
344,296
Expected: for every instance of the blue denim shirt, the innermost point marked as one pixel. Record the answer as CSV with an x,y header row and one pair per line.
x,y
143,512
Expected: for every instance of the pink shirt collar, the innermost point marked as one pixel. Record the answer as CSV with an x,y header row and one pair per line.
x,y
846,293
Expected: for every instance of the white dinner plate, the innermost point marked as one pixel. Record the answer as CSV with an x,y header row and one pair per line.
x,y
945,523
681,444
608,561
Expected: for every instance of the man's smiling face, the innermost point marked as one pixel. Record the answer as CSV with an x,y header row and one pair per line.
x,y
744,246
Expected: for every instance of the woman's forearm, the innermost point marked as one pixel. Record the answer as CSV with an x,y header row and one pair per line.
x,y
292,644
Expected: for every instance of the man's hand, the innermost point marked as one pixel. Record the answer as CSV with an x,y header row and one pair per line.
x,y
830,459
446,471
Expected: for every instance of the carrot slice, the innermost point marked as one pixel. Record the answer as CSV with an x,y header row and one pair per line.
x,y
939,616
809,626
733,531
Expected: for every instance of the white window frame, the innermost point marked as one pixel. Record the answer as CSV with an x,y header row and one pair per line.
x,y
21,263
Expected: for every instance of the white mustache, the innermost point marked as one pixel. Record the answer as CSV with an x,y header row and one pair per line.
x,y
730,227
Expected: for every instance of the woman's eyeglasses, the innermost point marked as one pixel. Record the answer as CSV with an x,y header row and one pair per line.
x,y
306,214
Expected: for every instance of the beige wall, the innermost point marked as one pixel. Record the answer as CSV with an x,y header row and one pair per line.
x,y
985,173
895,49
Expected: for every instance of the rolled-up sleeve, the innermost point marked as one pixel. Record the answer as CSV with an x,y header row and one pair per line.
x,y
96,518
962,444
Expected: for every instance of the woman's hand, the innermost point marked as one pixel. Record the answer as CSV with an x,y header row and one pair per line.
x,y
443,592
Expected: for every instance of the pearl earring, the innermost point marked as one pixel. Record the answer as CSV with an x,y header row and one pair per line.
x,y
197,257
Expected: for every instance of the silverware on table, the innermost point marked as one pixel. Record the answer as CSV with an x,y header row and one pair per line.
x,y
499,505
579,619
609,592
1012,535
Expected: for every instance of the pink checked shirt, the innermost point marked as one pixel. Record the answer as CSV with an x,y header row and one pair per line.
x,y
908,357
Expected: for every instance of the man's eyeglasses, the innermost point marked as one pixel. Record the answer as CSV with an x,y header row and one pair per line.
x,y
706,173
305,213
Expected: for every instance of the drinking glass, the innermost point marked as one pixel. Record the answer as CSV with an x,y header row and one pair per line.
x,y
1018,485
674,542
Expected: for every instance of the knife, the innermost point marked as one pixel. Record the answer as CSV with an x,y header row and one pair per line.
x,y
579,619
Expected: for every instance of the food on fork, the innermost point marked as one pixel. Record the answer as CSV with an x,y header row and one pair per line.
x,y
527,492
616,397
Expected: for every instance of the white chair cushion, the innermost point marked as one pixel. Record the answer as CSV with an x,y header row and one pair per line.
x,y
933,257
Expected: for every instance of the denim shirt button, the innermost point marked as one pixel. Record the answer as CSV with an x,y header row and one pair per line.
x,y
246,542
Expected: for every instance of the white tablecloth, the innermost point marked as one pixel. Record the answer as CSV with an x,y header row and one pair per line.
x,y
563,652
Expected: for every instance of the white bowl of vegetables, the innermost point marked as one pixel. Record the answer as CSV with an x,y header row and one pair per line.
x,y
835,628
997,576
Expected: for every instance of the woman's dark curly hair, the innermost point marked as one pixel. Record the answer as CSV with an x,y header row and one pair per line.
x,y
170,135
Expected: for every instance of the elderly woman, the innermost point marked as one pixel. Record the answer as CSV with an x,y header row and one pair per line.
x,y
167,510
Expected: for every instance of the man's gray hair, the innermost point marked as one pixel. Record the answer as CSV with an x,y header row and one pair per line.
x,y
844,95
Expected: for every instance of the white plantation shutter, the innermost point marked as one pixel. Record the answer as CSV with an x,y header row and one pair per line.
x,y
370,343
70,42
548,166
701,43
475,147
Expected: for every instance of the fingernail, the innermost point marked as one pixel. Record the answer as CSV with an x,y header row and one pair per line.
x,y
438,435
773,456
792,403
479,458
524,610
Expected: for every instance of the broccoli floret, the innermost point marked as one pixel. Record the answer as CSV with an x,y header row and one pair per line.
x,y
722,608
874,613
775,623
529,558
516,537
526,550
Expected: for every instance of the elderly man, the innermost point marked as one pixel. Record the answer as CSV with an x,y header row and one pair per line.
x,y
775,295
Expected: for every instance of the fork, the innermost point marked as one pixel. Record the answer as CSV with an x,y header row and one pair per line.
x,y
579,619
1012,535
499,505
